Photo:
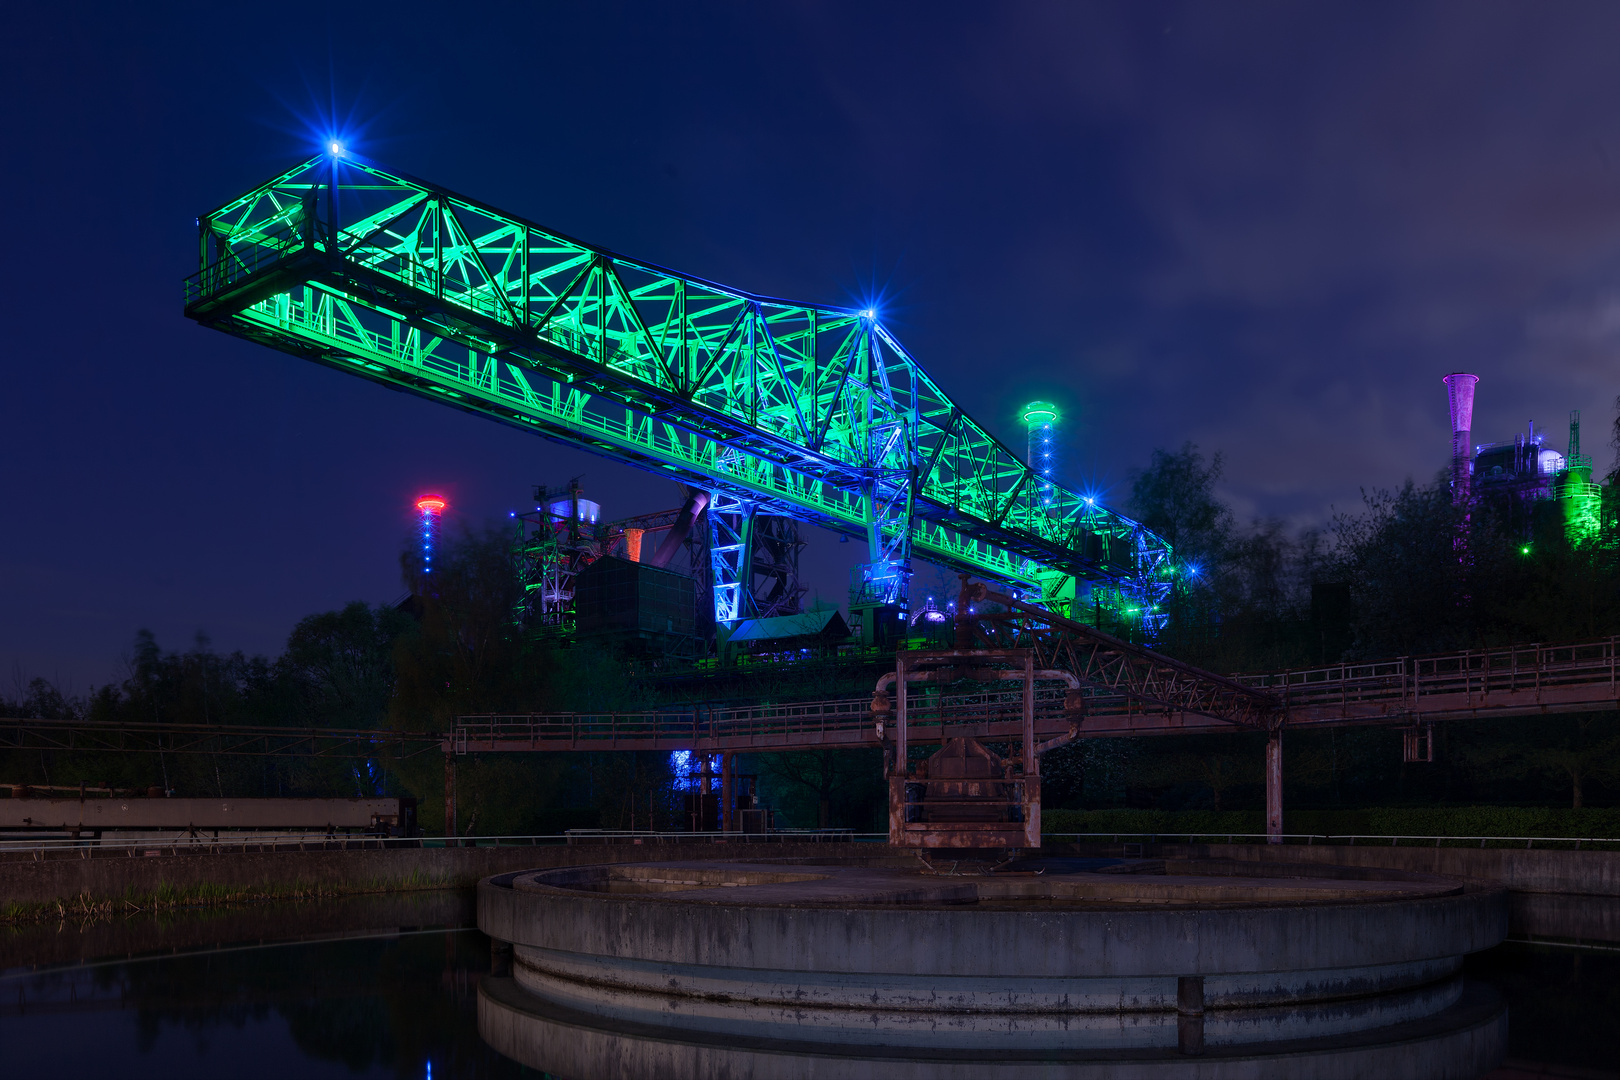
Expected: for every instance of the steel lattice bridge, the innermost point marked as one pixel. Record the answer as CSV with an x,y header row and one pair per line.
x,y
773,407
1518,680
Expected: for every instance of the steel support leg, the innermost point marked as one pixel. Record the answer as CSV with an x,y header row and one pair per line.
x,y
727,794
731,535
450,799
1274,790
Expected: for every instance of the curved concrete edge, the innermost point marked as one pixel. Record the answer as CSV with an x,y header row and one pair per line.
x,y
992,943
851,1025
1461,1042
578,977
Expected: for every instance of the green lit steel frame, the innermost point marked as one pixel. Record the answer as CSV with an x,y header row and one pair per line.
x,y
805,411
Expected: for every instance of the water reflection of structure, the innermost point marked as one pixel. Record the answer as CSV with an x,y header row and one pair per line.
x,y
1064,967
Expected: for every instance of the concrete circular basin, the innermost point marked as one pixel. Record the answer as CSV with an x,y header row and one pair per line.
x,y
1085,959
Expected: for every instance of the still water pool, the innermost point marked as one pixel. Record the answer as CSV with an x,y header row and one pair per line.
x,y
387,987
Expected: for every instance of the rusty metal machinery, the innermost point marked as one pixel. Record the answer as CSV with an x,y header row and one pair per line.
x,y
966,795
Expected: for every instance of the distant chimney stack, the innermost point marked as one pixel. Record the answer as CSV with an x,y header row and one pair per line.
x,y
1460,392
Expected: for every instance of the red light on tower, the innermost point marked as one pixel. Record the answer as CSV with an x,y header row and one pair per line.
x,y
430,507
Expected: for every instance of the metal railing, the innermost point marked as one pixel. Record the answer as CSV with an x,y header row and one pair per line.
x,y
1579,842
1173,837
1576,843
243,262
1470,677
139,847
796,722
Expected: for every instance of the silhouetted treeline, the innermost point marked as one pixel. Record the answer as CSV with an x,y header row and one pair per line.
x,y
1408,573
413,666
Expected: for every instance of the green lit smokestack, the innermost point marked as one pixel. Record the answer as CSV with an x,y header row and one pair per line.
x,y
1580,498
1040,418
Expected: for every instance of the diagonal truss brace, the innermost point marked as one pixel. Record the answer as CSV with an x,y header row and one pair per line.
x,y
1133,672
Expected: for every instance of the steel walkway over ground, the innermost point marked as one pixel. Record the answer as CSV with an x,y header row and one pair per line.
x,y
1517,680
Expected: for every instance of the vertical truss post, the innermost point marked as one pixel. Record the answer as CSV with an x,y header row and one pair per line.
x,y
774,566
883,583
1149,584
731,529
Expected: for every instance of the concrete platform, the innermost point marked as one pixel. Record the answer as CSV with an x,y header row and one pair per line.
x,y
1103,956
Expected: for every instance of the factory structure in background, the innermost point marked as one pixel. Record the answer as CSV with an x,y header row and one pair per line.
x,y
1534,485
645,583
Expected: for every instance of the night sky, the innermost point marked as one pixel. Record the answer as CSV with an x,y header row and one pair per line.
x,y
1266,228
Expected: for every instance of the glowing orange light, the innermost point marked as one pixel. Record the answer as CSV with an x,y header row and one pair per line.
x,y
431,504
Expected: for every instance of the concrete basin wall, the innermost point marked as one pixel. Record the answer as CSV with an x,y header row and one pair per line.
x,y
1460,1042
996,943
1089,959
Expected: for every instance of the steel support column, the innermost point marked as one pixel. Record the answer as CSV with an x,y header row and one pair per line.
x,y
727,792
1274,787
450,799
731,535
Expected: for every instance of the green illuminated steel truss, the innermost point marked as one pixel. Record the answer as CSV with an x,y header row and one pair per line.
x,y
806,411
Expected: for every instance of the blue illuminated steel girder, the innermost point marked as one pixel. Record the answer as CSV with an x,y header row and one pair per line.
x,y
806,411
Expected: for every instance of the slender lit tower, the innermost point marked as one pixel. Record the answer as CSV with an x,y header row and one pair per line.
x,y
1460,394
430,507
1040,418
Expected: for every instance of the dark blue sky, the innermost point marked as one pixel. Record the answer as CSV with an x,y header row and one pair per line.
x,y
1267,228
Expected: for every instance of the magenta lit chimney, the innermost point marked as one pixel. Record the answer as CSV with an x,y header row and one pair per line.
x,y
1460,392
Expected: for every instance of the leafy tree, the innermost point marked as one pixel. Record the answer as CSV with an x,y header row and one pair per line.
x,y
1175,497
467,655
339,665
846,786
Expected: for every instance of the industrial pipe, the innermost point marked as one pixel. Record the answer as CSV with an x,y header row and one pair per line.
x,y
696,502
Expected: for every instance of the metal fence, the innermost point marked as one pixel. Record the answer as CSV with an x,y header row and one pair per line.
x,y
1474,676
140,847
1548,843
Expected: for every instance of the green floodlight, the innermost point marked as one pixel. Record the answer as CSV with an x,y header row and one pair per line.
x,y
1040,412
1525,550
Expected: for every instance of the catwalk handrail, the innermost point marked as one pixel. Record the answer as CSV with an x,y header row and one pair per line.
x,y
1471,673
23,733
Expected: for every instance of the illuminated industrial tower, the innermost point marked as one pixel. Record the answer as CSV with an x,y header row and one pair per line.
x,y
1460,396
430,507
1582,499
1041,417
